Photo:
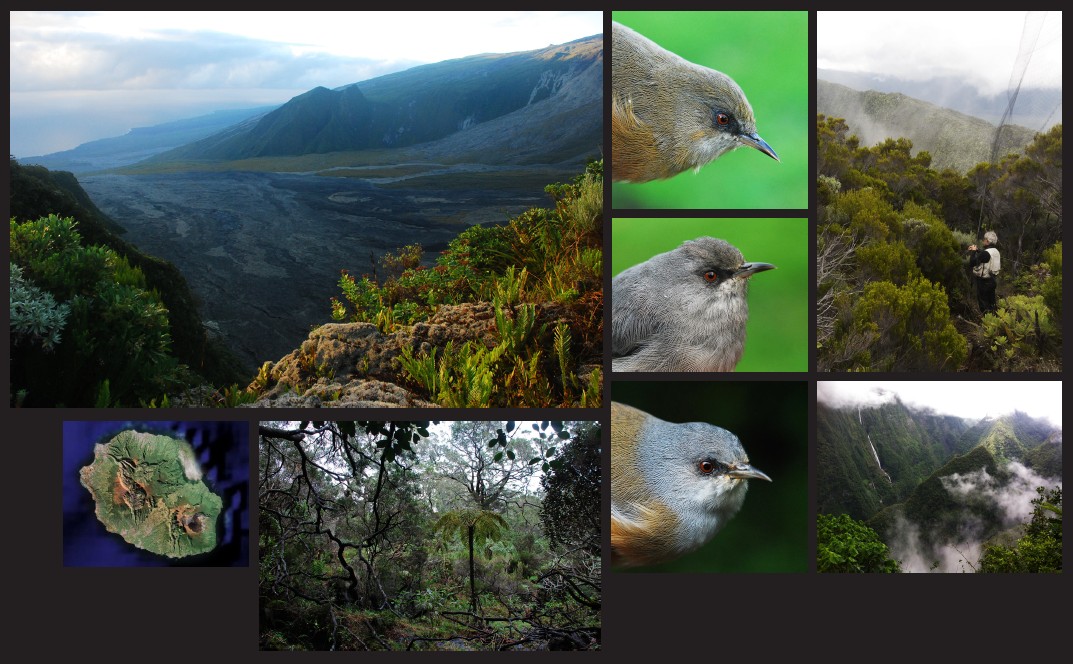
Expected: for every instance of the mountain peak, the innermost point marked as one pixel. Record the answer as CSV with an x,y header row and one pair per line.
x,y
428,103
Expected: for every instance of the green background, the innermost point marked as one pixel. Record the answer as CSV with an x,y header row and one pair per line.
x,y
777,332
767,54
770,533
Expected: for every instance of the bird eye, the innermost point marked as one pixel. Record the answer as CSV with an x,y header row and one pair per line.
x,y
706,467
710,276
722,119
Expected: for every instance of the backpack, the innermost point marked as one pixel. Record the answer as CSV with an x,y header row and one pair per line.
x,y
990,268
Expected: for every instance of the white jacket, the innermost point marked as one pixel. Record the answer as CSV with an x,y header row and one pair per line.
x,y
990,268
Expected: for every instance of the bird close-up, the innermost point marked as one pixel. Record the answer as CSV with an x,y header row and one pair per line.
x,y
669,115
683,310
673,486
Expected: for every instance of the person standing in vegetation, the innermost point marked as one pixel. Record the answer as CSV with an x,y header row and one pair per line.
x,y
985,263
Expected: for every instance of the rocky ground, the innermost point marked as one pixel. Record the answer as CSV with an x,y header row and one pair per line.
x,y
354,364
263,251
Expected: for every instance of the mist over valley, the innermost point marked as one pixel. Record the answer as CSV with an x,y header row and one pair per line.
x,y
936,488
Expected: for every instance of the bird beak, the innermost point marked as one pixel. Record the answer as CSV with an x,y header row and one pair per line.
x,y
754,141
746,472
749,269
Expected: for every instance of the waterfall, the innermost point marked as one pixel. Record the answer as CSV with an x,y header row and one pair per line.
x,y
874,452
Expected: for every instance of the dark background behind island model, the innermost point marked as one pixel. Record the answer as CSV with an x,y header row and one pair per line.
x,y
222,449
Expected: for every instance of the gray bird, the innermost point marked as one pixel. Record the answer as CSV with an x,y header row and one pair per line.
x,y
673,486
683,310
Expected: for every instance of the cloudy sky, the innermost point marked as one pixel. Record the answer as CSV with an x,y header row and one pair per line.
x,y
964,398
80,76
980,48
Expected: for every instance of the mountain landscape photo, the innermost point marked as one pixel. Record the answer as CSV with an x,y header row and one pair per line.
x,y
432,186
934,157
939,477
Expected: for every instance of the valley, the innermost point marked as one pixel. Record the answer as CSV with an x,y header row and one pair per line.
x,y
935,488
263,251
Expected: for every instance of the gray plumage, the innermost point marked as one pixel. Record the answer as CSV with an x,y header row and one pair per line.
x,y
683,310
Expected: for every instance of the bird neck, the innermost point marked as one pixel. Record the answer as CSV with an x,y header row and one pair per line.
x,y
716,340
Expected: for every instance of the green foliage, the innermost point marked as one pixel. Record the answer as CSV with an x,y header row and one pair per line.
x,y
886,261
1040,549
865,212
844,544
909,327
571,510
931,242
888,205
474,527
484,525
390,564
461,379
1020,335
39,193
539,258
116,331
36,317
1052,287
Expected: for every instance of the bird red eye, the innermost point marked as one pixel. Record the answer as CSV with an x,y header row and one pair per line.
x,y
706,467
710,276
722,119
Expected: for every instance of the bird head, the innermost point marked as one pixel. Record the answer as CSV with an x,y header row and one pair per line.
x,y
701,471
673,486
714,268
718,116
707,469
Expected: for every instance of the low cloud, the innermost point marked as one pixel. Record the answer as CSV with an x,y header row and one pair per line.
x,y
918,554
1012,497
918,550
851,394
178,59
971,400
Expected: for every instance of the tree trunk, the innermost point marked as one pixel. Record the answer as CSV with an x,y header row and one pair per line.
x,y
472,584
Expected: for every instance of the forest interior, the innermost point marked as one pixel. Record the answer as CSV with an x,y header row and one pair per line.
x,y
894,287
430,536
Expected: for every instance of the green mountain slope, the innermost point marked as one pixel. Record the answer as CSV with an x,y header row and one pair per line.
x,y
933,509
913,445
910,445
953,139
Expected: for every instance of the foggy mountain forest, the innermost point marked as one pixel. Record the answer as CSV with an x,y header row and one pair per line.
x,y
903,489
894,288
430,536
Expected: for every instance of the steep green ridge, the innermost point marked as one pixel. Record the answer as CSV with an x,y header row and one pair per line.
x,y
848,478
910,445
913,447
953,139
407,108
935,511
37,192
